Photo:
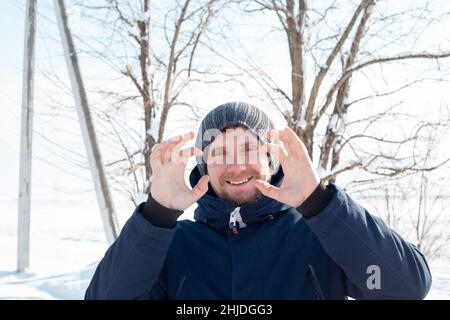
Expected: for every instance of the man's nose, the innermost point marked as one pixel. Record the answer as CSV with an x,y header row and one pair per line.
x,y
235,157
236,168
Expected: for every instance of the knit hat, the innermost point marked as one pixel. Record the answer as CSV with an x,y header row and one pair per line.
x,y
232,114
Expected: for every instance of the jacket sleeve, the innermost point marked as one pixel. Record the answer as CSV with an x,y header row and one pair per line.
x,y
362,244
132,265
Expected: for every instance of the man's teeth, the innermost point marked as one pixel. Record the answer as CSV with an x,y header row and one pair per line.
x,y
239,182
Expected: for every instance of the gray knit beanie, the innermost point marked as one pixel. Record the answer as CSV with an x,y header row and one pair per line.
x,y
231,114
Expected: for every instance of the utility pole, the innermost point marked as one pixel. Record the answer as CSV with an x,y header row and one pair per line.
x,y
26,139
104,199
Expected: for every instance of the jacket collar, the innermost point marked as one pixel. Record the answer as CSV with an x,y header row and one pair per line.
x,y
216,211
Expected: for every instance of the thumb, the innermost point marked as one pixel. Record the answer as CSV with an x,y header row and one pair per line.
x,y
266,188
201,187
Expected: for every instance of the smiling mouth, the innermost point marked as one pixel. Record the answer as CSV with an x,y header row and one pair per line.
x,y
238,182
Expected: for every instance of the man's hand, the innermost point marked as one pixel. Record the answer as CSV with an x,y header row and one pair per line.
x,y
300,178
168,164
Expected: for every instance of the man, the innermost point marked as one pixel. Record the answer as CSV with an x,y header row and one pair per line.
x,y
265,226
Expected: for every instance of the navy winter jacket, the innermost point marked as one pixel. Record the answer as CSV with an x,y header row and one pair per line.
x,y
337,253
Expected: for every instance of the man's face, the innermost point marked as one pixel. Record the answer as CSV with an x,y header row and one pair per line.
x,y
235,157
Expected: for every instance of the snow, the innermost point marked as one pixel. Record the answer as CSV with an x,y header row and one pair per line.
x,y
140,197
67,286
334,123
440,289
322,172
370,8
134,31
337,124
67,242
144,16
301,122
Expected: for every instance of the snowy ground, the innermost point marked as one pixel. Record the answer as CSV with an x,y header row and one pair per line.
x,y
67,244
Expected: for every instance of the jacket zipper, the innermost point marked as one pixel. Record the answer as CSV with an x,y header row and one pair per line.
x,y
315,282
236,221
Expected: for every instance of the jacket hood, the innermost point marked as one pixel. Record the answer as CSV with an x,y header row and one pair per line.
x,y
216,211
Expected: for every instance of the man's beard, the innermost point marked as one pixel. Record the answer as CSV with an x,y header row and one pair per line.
x,y
256,194
252,199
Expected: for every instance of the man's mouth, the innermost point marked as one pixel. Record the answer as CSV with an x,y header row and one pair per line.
x,y
238,182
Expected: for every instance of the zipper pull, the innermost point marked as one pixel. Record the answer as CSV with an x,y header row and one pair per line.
x,y
236,221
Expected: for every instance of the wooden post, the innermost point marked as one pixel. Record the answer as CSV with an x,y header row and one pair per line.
x,y
104,200
26,139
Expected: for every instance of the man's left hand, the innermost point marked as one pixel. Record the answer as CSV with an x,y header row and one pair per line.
x,y
300,178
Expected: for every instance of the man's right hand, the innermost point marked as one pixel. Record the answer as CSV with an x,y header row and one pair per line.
x,y
168,164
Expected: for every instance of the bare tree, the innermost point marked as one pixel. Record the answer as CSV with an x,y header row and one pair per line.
x,y
416,205
317,104
429,220
427,214
393,203
155,48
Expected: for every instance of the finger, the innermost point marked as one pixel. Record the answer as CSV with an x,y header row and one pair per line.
x,y
165,152
266,188
183,155
155,156
201,187
182,137
289,138
176,143
277,150
176,154
278,135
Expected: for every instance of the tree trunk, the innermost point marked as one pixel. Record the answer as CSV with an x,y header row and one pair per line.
x,y
336,125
